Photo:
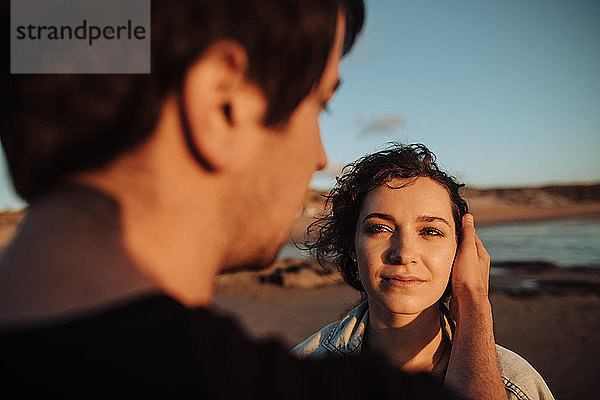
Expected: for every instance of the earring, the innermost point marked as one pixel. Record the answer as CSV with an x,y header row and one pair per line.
x,y
356,273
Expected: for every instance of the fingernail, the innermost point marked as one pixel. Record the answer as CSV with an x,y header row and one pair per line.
x,y
469,218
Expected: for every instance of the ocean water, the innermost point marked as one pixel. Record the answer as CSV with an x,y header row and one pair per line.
x,y
565,242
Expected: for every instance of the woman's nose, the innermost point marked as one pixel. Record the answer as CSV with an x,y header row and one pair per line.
x,y
402,250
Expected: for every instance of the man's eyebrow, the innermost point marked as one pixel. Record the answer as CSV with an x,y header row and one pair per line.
x,y
431,218
386,217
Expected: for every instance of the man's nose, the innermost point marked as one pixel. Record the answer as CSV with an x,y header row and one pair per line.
x,y
322,156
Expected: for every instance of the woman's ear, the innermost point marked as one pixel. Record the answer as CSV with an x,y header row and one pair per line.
x,y
458,229
209,96
352,253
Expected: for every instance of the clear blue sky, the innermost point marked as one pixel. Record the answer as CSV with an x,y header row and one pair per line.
x,y
504,92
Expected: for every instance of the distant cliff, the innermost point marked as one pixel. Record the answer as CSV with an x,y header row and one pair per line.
x,y
495,205
540,195
498,205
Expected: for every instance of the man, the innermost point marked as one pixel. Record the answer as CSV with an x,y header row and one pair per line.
x,y
143,188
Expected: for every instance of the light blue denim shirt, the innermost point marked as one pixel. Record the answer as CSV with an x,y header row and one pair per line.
x,y
344,338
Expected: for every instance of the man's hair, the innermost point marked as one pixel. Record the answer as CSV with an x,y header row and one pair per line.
x,y
334,230
63,124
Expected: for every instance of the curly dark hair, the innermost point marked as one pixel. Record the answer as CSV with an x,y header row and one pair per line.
x,y
334,229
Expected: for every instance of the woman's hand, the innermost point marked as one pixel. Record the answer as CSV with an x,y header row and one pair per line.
x,y
471,270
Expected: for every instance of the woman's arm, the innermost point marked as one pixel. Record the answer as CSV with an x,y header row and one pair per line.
x,y
473,367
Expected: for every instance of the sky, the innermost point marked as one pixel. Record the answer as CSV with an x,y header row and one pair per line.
x,y
505,93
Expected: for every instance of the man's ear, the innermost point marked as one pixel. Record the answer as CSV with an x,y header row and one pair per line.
x,y
210,99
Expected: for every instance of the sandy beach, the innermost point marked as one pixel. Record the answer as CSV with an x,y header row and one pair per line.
x,y
554,328
549,315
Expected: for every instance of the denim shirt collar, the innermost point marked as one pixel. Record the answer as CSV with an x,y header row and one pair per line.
x,y
347,337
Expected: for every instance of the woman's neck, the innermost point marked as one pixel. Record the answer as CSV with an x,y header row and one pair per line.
x,y
412,342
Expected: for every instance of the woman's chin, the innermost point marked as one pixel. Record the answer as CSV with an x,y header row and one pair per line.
x,y
407,306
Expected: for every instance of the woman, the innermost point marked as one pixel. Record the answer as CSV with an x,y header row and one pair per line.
x,y
393,229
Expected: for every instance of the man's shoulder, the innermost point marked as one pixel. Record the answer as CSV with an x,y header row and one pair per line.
x,y
149,345
136,345
156,346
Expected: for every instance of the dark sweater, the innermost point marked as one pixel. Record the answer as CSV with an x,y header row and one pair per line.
x,y
146,344
155,346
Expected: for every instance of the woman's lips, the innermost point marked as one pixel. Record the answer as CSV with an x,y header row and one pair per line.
x,y
402,281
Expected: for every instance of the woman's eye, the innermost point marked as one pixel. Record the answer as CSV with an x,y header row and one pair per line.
x,y
377,228
431,232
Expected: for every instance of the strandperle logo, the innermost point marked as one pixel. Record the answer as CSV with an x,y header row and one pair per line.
x,y
85,31
80,36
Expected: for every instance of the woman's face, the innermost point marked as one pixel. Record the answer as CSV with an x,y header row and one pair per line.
x,y
405,244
